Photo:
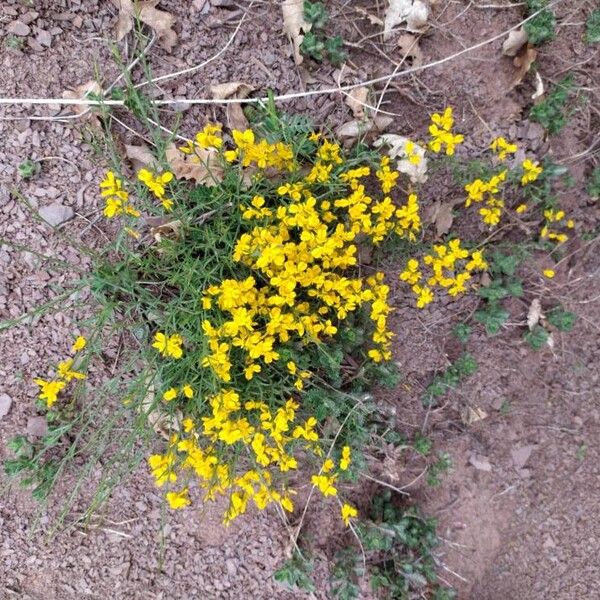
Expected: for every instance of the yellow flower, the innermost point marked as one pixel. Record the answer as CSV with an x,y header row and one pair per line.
x,y
521,208
549,273
170,394
65,372
79,344
345,460
207,138
168,346
49,390
531,171
348,512
188,391
502,148
250,370
178,499
325,484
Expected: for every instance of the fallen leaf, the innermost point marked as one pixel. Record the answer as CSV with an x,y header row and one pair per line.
x,y
481,463
539,87
410,50
236,119
160,21
441,216
349,132
534,313
413,12
202,167
373,19
356,100
521,455
417,173
83,92
170,230
516,39
523,62
140,156
162,422
470,415
295,25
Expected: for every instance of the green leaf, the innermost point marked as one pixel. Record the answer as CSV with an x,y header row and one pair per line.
x,y
315,13
542,27
537,337
462,331
592,28
514,287
504,263
312,46
492,318
561,319
551,113
493,292
335,50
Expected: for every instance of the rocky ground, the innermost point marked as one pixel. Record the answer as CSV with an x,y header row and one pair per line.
x,y
517,512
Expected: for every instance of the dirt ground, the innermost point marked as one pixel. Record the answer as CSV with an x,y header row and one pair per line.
x,y
518,511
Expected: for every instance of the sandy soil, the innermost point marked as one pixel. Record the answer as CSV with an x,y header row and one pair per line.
x,y
526,527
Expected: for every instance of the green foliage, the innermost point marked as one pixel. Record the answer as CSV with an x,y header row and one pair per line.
x,y
422,444
561,319
295,574
542,28
435,470
316,43
347,568
537,337
399,543
492,317
592,27
14,42
551,113
462,332
593,186
462,368
28,169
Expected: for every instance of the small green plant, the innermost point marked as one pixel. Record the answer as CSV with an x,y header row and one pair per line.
x,y
462,368
592,27
422,444
295,574
562,319
399,543
14,42
316,44
542,28
593,185
440,466
551,113
28,169
462,332
537,337
347,569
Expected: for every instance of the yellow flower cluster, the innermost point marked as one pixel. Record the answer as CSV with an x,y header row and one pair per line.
x,y
49,390
168,346
555,220
531,171
487,193
441,132
260,154
270,437
116,198
451,268
502,148
156,184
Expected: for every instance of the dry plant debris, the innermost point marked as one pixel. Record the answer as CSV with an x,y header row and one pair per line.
x,y
295,25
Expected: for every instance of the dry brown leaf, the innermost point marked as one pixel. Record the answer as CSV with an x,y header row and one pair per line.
x,y
534,314
140,156
523,62
410,50
171,230
539,88
295,25
443,217
236,119
203,168
160,21
413,12
356,100
516,39
82,92
397,143
472,414
349,132
163,423
373,19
